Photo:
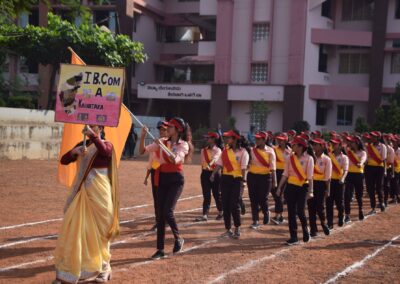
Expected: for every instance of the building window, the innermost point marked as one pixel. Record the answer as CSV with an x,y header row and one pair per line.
x,y
31,18
396,43
357,10
326,9
259,112
160,33
397,13
260,32
27,66
354,63
345,115
322,112
259,72
323,59
395,63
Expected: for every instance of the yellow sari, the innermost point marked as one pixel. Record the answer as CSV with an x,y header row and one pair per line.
x,y
90,222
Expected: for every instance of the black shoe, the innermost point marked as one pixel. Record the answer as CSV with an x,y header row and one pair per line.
x,y
275,220
306,235
219,216
340,222
383,207
330,227
158,255
347,219
326,230
242,208
372,212
313,234
236,233
266,218
360,215
255,225
154,228
178,245
228,233
292,241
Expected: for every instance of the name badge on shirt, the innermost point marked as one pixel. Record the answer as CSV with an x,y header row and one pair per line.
x,y
302,163
321,164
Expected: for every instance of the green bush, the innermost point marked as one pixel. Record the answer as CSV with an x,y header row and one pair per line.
x,y
301,125
21,101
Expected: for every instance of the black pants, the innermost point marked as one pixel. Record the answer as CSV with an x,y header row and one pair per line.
x,y
374,181
209,187
387,182
168,193
296,198
336,197
278,199
316,205
230,189
154,191
259,188
394,186
354,181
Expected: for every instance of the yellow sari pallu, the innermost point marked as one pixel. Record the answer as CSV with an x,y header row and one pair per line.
x,y
90,222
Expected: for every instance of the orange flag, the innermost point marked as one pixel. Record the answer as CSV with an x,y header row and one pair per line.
x,y
72,135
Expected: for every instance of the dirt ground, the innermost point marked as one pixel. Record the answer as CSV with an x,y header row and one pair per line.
x,y
31,204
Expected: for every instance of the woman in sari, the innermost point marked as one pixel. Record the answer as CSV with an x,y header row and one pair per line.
x,y
91,213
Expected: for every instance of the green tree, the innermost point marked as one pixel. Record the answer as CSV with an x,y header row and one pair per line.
x,y
388,117
259,115
301,126
361,125
48,46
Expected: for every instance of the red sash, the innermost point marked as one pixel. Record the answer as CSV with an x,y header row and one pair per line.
x,y
260,158
225,159
296,170
371,152
206,157
352,157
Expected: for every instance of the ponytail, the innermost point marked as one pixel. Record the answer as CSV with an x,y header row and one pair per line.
x,y
186,135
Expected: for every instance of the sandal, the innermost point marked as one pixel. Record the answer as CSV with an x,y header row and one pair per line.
x,y
103,277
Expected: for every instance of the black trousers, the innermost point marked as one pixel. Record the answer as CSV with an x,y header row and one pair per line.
x,y
168,193
394,186
154,191
374,181
230,189
259,188
387,182
354,182
336,197
316,205
278,199
209,187
296,198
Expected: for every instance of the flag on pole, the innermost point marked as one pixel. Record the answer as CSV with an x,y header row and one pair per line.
x,y
72,135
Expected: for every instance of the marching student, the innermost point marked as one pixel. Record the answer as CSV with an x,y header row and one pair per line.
x,y
340,167
233,162
209,156
387,180
282,152
291,135
171,179
298,174
355,178
396,166
375,170
261,177
153,165
316,134
322,184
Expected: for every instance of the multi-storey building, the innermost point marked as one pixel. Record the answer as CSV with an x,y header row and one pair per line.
x,y
323,61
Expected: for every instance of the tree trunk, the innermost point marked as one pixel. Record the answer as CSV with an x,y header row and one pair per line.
x,y
51,99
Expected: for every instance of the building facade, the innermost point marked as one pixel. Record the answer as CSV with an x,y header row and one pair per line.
x,y
268,63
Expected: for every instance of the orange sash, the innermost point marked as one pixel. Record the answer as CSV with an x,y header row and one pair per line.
x,y
300,177
353,157
318,174
376,159
260,158
225,159
280,159
337,169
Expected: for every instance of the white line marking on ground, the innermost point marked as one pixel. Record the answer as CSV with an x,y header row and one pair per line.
x,y
26,264
27,241
254,262
60,219
360,263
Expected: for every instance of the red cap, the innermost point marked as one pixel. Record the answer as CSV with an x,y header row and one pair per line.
x,y
333,133
261,135
174,122
336,141
366,135
317,133
298,140
212,135
345,133
375,134
292,132
231,133
305,136
318,141
269,132
281,137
